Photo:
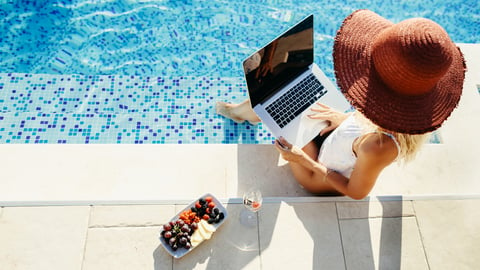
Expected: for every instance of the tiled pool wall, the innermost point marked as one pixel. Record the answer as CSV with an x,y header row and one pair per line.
x,y
45,108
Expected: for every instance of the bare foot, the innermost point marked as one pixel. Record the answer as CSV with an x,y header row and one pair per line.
x,y
238,112
226,109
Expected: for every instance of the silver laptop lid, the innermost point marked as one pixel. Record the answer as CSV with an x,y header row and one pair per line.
x,y
273,66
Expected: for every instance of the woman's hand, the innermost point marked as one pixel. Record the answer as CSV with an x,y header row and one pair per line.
x,y
288,151
333,117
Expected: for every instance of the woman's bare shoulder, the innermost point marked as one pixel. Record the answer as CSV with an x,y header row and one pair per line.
x,y
378,147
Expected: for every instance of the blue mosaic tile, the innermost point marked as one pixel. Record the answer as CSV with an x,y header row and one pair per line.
x,y
121,109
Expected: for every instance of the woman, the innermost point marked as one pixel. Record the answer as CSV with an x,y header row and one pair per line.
x,y
403,79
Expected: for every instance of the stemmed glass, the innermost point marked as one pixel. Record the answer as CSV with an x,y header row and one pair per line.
x,y
252,200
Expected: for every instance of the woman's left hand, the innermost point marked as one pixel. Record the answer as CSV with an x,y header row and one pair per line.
x,y
288,151
332,116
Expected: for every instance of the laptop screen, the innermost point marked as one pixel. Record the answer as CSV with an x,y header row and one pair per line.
x,y
281,61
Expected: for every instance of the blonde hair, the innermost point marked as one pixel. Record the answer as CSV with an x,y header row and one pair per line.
x,y
409,144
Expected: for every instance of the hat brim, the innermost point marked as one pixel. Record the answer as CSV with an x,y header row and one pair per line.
x,y
363,88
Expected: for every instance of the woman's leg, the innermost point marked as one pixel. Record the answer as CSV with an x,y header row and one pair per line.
x,y
238,112
308,179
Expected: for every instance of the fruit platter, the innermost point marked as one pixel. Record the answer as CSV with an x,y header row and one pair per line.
x,y
193,225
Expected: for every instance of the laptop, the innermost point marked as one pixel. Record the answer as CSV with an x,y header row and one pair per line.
x,y
284,84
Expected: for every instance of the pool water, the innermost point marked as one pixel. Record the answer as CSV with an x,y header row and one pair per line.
x,y
151,71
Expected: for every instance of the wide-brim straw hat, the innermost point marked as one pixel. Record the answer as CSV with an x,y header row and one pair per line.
x,y
405,77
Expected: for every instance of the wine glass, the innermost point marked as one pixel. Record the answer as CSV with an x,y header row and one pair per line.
x,y
252,200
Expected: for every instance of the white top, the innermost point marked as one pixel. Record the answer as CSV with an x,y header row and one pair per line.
x,y
336,152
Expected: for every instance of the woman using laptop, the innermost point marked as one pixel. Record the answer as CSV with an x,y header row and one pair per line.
x,y
403,79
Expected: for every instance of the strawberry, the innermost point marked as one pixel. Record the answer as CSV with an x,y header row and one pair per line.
x,y
208,199
211,205
206,217
198,205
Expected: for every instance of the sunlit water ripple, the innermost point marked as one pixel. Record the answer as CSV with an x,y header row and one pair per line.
x,y
200,38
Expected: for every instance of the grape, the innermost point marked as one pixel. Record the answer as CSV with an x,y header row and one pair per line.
x,y
172,241
183,241
167,234
180,222
188,245
174,247
194,225
216,211
167,227
185,228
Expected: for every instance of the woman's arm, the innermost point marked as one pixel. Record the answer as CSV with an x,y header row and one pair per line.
x,y
374,153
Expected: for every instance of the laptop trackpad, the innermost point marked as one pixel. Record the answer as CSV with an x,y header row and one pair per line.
x,y
308,129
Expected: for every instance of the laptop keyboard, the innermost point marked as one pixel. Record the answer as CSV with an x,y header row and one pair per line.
x,y
296,100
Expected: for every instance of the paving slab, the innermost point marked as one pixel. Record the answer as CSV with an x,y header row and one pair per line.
x,y
450,233
127,237
300,236
95,173
43,237
380,235
261,167
382,243
131,215
125,248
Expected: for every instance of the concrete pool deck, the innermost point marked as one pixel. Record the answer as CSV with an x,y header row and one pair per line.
x,y
101,206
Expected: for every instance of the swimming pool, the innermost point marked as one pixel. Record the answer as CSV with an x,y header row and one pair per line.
x,y
150,71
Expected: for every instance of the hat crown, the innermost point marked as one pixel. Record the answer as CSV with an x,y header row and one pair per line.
x,y
412,56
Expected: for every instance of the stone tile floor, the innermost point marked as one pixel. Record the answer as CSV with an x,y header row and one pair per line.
x,y
376,233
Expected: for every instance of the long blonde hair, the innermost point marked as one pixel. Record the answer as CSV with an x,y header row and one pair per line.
x,y
409,144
